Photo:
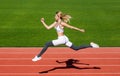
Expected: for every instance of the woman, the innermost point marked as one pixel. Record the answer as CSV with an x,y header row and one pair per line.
x,y
61,21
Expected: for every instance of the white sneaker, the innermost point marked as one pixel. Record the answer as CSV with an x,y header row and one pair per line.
x,y
36,58
94,45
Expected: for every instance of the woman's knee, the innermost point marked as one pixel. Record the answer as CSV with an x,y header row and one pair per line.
x,y
69,44
49,44
74,47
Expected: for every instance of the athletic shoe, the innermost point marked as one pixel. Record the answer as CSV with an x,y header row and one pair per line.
x,y
36,58
94,45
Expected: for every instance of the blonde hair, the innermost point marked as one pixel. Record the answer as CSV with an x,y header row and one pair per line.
x,y
64,17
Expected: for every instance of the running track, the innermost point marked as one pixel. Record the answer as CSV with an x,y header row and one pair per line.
x,y
17,62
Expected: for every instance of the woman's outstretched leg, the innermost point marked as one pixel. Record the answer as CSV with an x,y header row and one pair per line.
x,y
92,45
38,57
80,47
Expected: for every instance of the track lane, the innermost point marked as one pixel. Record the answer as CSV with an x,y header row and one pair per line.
x,y
17,62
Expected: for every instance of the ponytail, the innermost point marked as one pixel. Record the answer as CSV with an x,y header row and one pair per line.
x,y
64,17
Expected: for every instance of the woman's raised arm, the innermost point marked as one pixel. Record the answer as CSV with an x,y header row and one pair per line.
x,y
46,26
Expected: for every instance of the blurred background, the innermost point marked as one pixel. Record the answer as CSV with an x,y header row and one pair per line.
x,y
20,24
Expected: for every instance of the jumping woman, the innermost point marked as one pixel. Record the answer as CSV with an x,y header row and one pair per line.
x,y
61,21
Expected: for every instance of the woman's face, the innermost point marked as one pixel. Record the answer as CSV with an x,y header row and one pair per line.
x,y
57,16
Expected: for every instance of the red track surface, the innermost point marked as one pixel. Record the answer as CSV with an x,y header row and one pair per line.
x,y
17,62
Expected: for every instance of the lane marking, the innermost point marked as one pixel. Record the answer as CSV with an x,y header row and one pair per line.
x,y
52,65
61,52
58,73
61,58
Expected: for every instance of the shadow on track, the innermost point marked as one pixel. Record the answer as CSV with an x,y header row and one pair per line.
x,y
69,64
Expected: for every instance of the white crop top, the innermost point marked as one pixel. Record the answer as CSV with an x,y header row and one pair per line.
x,y
59,28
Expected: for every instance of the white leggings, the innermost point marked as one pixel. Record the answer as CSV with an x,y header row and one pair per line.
x,y
59,41
62,40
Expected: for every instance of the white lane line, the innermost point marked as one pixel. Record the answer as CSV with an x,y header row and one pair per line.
x,y
53,65
117,73
61,58
61,52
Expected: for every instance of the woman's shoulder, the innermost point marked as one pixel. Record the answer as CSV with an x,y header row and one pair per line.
x,y
63,23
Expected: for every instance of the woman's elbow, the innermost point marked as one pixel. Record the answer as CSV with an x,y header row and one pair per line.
x,y
48,28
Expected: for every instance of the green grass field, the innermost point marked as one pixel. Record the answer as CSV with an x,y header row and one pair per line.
x,y
20,22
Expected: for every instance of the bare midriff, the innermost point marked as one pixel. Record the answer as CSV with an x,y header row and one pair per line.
x,y
60,34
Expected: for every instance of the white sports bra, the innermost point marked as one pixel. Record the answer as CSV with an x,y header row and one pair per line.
x,y
59,28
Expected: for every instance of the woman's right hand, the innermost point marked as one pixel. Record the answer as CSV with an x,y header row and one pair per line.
x,y
42,20
82,30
